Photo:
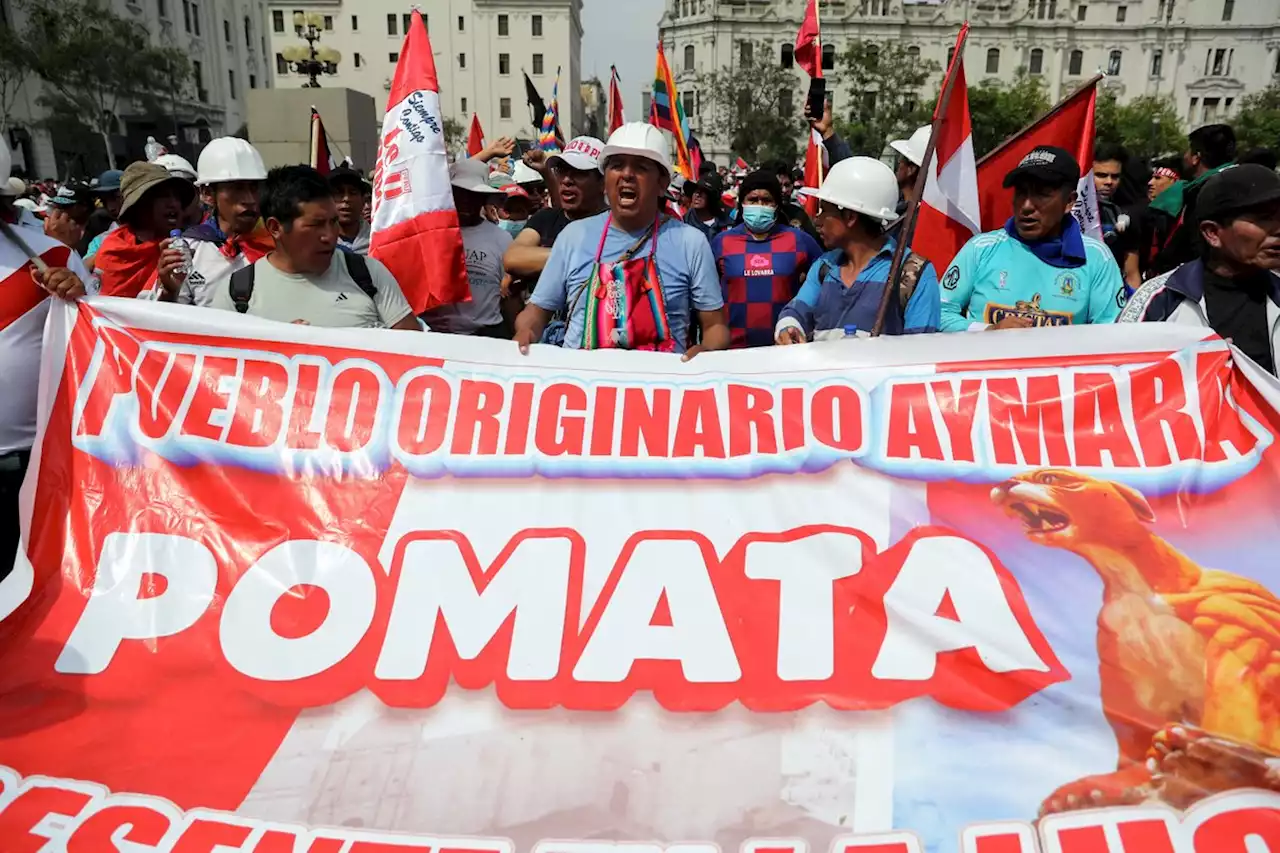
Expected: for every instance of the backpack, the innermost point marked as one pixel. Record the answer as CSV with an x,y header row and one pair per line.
x,y
242,281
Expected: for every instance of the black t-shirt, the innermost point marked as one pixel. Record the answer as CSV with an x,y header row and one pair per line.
x,y
1238,310
548,222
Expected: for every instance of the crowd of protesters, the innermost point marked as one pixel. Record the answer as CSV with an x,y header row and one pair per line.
x,y
602,245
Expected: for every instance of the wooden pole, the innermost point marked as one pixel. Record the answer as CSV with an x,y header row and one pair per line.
x,y
909,219
1057,108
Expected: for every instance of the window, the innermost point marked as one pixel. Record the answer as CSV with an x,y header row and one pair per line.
x,y
1075,63
504,63
1210,109
1276,71
537,64
197,74
1036,65
913,54
358,60
687,101
788,55
951,54
873,56
504,25
195,18
231,84
1157,62
1226,106
253,81
1195,102
1219,62
1082,12
355,23
391,25
162,6
393,57
785,104
462,60
504,108
993,61
1228,9
1113,62
1122,12
462,28
535,25
186,15
328,23
406,19
248,34
226,31
464,106
744,53
277,20
282,67
688,57
828,57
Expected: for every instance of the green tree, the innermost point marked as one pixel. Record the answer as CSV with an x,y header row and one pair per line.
x,y
454,135
998,110
16,63
1148,126
883,82
95,62
754,106
1258,122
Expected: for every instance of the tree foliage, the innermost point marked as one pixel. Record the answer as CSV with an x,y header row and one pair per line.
x,y
999,110
1258,122
883,82
1148,126
454,135
95,63
16,62
755,106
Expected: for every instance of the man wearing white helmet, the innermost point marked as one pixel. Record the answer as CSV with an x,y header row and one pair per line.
x,y
180,167
630,277
841,295
230,176
910,155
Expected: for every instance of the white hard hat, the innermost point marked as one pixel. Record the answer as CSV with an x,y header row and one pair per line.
x,y
913,148
522,174
6,166
177,166
641,140
229,158
861,184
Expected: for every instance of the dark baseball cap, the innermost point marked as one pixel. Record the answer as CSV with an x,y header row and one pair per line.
x,y
1047,165
344,176
71,194
108,181
1237,189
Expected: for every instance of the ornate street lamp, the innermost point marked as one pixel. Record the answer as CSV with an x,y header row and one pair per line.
x,y
311,60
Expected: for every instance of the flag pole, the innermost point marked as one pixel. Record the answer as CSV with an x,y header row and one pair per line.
x,y
1057,108
909,218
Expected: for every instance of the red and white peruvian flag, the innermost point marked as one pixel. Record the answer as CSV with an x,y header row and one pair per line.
x,y
415,225
949,212
815,170
475,137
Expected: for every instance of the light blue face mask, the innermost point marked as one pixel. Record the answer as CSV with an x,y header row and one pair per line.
x,y
512,226
758,217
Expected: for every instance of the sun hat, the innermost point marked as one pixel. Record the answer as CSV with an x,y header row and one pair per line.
x,y
472,176
141,178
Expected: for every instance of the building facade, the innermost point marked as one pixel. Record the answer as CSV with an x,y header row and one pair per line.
x,y
226,42
1204,54
482,48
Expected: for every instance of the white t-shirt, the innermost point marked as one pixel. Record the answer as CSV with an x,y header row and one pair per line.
x,y
23,308
485,244
209,268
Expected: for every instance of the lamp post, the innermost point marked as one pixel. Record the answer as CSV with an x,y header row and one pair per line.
x,y
311,60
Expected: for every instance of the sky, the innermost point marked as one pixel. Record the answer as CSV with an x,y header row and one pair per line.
x,y
622,33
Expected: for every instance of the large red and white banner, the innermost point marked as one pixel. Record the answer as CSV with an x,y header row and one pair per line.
x,y
294,590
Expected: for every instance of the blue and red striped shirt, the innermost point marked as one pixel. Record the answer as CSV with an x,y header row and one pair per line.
x,y
759,276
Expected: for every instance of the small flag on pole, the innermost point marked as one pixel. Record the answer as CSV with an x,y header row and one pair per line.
x,y
549,137
808,49
415,225
475,137
667,113
321,154
617,118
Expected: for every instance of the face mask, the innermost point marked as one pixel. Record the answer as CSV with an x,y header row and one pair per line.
x,y
758,217
512,226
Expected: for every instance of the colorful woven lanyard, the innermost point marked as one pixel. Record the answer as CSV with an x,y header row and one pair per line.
x,y
625,305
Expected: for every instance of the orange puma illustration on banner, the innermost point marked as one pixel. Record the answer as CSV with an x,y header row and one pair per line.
x,y
1189,657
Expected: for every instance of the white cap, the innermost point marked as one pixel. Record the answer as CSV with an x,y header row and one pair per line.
x,y
861,184
177,166
582,153
229,158
913,148
640,140
522,174
472,175
6,166
28,204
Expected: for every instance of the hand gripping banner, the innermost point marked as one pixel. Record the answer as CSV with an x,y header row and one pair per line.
x,y
294,590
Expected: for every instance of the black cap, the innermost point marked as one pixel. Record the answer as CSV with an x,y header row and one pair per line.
x,y
1237,189
71,194
711,184
344,175
1048,165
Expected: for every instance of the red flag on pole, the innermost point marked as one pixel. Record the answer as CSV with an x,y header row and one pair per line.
x,y
808,51
815,168
1069,125
415,225
949,211
475,137
321,154
617,118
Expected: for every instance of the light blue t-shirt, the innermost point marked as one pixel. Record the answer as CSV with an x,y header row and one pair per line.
x,y
995,275
685,264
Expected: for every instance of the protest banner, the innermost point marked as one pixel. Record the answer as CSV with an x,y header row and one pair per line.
x,y
290,589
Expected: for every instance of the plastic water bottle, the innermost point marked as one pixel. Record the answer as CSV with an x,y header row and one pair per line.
x,y
850,331
185,247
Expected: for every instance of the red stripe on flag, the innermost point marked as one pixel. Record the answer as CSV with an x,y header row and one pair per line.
x,y
19,292
416,68
425,255
938,237
957,127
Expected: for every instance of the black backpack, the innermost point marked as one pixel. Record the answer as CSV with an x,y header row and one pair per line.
x,y
242,281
